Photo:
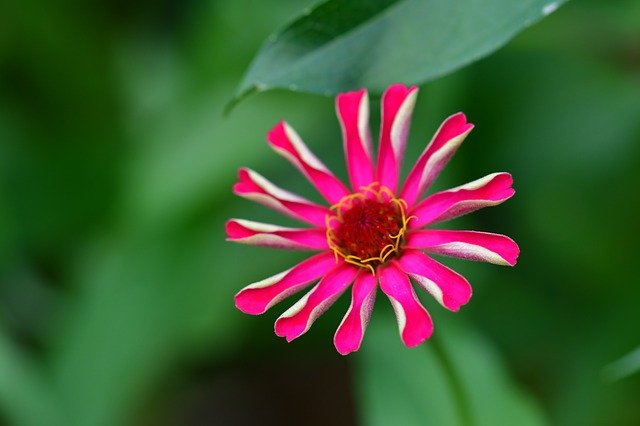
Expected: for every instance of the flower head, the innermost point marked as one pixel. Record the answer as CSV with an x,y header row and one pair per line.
x,y
372,235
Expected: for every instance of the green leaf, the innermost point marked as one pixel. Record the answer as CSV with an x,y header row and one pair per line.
x,y
143,306
25,397
400,386
624,367
342,45
456,378
184,153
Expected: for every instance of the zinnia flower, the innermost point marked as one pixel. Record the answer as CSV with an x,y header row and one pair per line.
x,y
373,234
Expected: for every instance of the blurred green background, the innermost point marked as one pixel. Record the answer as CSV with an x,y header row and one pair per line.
x,y
116,284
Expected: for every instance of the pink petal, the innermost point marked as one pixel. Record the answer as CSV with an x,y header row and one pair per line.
x,y
471,245
286,142
413,320
253,186
353,113
449,288
297,319
266,235
487,191
397,106
437,154
349,335
256,298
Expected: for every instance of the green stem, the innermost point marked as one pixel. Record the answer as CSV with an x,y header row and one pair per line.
x,y
462,401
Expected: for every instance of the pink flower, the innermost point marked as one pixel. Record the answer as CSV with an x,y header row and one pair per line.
x,y
373,234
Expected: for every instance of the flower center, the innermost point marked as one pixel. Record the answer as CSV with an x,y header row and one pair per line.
x,y
367,227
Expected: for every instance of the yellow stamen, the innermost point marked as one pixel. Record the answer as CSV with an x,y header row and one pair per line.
x,y
378,191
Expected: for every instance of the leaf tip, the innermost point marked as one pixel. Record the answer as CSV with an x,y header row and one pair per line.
x,y
241,95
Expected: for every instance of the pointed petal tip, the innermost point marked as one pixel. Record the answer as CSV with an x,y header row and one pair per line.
x,y
246,305
235,229
415,344
244,183
398,94
400,87
513,259
506,177
229,226
287,331
277,330
277,131
503,183
343,96
282,332
346,342
350,333
454,304
448,287
460,120
346,350
411,340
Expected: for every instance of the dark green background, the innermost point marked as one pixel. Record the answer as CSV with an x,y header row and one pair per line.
x,y
116,167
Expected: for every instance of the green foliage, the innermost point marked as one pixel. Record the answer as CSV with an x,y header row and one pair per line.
x,y
116,166
339,45
455,379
